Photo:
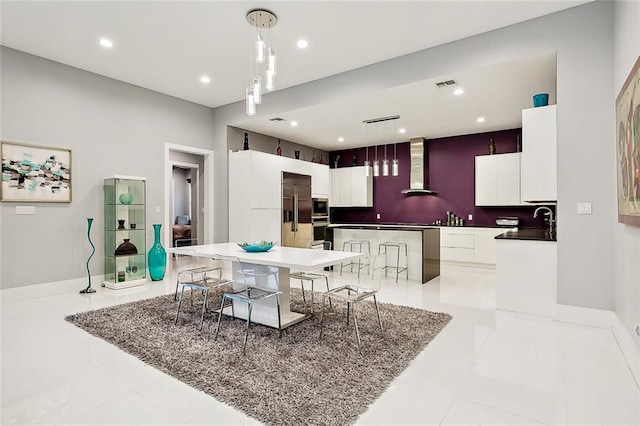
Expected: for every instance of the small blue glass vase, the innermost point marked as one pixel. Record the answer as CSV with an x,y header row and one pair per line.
x,y
157,256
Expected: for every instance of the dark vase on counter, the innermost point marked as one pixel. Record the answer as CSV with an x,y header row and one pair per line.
x,y
354,160
245,145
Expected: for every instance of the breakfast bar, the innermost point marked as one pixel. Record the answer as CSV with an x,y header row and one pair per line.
x,y
423,244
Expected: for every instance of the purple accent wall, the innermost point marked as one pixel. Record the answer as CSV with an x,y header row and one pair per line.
x,y
451,173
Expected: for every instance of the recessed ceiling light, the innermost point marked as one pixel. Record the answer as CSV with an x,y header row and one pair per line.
x,y
204,79
340,139
105,42
459,91
402,131
302,44
294,123
480,120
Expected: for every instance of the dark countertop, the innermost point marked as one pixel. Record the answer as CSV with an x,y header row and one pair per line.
x,y
404,226
529,234
387,226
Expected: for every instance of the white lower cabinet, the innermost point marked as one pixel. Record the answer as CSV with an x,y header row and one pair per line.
x,y
469,244
456,244
527,276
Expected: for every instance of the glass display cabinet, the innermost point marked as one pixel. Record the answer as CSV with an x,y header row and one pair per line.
x,y
125,248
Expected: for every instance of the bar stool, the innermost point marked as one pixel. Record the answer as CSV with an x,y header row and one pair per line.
x,y
352,246
397,245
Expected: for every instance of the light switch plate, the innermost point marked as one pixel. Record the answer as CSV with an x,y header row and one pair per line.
x,y
377,215
157,210
470,217
584,208
25,209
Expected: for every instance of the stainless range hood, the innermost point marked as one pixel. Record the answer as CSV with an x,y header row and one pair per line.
x,y
419,179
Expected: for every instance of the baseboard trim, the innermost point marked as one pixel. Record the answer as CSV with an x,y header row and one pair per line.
x,y
605,319
585,316
629,349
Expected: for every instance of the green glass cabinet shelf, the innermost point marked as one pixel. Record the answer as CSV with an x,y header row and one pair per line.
x,y
125,260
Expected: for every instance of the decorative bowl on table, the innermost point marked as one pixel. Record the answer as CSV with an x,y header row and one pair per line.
x,y
257,246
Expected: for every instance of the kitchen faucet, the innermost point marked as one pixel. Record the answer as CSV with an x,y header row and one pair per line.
x,y
549,213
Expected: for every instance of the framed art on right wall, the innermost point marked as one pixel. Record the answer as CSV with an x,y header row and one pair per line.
x,y
628,149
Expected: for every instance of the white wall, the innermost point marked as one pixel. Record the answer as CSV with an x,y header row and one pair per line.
x,y
626,238
111,128
583,39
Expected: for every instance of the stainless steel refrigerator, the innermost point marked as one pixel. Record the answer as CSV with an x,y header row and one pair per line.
x,y
297,228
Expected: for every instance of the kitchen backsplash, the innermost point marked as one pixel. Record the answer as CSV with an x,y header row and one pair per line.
x,y
451,173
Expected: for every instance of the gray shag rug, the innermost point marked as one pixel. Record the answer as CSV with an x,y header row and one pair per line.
x,y
295,379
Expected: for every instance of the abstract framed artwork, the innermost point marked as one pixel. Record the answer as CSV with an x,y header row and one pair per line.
x,y
35,174
628,149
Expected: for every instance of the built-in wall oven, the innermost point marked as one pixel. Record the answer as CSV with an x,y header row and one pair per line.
x,y
320,218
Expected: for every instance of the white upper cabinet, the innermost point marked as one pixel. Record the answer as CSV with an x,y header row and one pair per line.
x,y
350,187
498,180
539,177
260,175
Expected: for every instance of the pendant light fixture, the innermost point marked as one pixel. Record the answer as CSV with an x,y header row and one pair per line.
x,y
394,165
385,163
376,165
366,162
263,60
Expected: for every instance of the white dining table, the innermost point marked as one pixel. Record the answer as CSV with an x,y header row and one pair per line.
x,y
283,258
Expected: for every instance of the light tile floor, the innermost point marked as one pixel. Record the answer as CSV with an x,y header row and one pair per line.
x,y
486,367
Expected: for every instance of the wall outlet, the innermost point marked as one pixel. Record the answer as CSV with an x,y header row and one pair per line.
x,y
584,208
157,210
25,209
470,217
636,329
377,215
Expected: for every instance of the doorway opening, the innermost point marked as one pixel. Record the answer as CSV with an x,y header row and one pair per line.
x,y
188,195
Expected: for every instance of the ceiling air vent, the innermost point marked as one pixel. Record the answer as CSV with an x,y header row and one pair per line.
x,y
446,83
277,119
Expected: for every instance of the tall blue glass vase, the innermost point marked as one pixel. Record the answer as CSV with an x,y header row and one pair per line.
x,y
157,256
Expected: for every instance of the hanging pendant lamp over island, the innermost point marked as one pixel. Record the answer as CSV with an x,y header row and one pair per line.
x,y
263,58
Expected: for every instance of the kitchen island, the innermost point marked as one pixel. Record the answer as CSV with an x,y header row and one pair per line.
x,y
423,244
526,271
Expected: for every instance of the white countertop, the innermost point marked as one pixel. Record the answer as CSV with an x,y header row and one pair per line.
x,y
282,257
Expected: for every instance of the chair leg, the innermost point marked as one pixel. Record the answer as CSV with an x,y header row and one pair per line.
x,y
304,300
398,265
179,305
355,321
322,314
279,319
215,337
375,303
246,329
326,280
175,296
406,259
204,307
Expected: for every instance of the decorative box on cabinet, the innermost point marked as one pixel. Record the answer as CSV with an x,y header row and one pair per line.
x,y
351,187
125,250
538,168
498,180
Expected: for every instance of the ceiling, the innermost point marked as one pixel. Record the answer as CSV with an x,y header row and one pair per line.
x,y
166,47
